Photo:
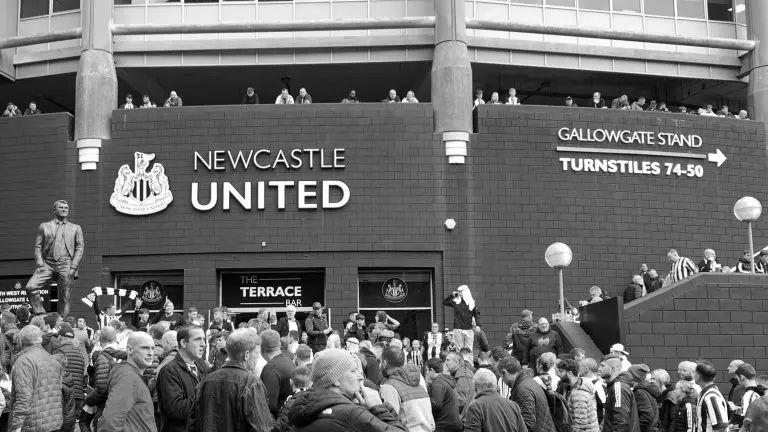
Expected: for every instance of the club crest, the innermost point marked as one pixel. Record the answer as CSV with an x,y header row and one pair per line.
x,y
143,190
395,290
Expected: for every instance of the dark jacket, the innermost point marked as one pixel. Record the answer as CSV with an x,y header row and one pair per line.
x,y
76,363
282,424
176,393
534,407
103,362
445,404
282,326
646,395
489,412
462,316
322,410
666,408
68,401
175,319
276,376
539,343
706,265
620,406
372,368
465,386
231,399
632,292
129,404
356,332
679,417
652,284
518,336
599,104
250,100
314,326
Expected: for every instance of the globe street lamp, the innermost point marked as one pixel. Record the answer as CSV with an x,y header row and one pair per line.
x,y
559,256
748,209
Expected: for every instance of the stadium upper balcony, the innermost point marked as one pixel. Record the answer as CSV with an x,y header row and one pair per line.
x,y
692,18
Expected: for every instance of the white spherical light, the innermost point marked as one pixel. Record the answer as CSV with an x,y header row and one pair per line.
x,y
747,209
558,255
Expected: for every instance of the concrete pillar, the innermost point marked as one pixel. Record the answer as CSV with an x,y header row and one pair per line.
x,y
757,94
452,79
96,82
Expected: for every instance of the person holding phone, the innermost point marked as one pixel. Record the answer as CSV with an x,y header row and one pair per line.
x,y
465,316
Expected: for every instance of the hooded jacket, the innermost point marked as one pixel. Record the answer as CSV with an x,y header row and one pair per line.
x,y
103,362
646,396
76,363
683,416
620,406
445,404
322,410
583,407
541,342
489,412
534,407
371,366
403,391
518,336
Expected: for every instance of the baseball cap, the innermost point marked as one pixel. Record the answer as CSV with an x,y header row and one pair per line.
x,y
619,348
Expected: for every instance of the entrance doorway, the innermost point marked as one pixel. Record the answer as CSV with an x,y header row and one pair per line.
x,y
405,294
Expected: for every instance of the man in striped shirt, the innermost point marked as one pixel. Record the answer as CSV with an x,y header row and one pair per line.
x,y
682,267
747,377
711,408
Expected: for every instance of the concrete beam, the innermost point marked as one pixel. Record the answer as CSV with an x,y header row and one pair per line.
x,y
41,38
757,92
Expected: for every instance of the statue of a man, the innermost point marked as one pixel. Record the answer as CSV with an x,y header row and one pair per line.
x,y
58,249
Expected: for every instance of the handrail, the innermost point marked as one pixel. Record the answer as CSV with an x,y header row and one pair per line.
x,y
548,29
276,26
39,38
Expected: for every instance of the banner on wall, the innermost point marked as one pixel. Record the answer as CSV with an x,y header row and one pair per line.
x,y
12,292
272,289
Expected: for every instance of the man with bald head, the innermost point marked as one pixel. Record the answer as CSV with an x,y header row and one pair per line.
x,y
129,403
36,386
489,412
247,412
544,339
620,405
710,262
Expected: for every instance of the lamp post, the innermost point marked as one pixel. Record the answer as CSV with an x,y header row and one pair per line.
x,y
559,256
748,209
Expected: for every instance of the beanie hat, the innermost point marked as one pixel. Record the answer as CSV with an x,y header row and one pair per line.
x,y
270,341
329,366
639,371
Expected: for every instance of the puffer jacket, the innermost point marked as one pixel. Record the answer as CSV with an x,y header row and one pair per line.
x,y
445,405
322,410
465,386
403,391
620,406
76,363
36,392
534,407
683,416
68,401
583,407
103,362
632,292
282,424
646,396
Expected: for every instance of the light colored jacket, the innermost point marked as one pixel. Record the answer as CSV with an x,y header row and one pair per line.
x,y
405,392
583,407
36,392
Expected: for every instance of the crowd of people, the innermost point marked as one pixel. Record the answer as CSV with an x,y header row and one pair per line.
x,y
173,372
621,103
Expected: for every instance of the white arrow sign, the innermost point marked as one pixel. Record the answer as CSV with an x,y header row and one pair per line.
x,y
717,157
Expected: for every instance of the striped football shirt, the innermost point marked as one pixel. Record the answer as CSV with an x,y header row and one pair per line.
x,y
683,268
712,410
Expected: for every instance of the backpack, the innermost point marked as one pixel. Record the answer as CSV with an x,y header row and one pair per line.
x,y
558,408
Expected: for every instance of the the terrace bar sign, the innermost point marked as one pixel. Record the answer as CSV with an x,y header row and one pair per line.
x,y
635,152
310,194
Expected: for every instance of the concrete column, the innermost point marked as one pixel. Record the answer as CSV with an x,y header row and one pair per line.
x,y
452,79
757,94
96,82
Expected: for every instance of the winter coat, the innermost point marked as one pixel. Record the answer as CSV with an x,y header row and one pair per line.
x,y
462,316
583,407
620,406
372,369
489,412
539,343
646,396
633,292
667,408
276,376
445,404
465,386
683,416
533,404
314,326
518,336
68,401
282,424
283,329
129,403
36,392
231,399
403,391
480,342
176,387
76,356
103,362
322,410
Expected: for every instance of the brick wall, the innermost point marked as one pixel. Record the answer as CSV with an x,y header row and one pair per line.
x,y
717,317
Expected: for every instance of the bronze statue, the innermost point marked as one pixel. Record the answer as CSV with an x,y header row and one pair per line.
x,y
58,249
